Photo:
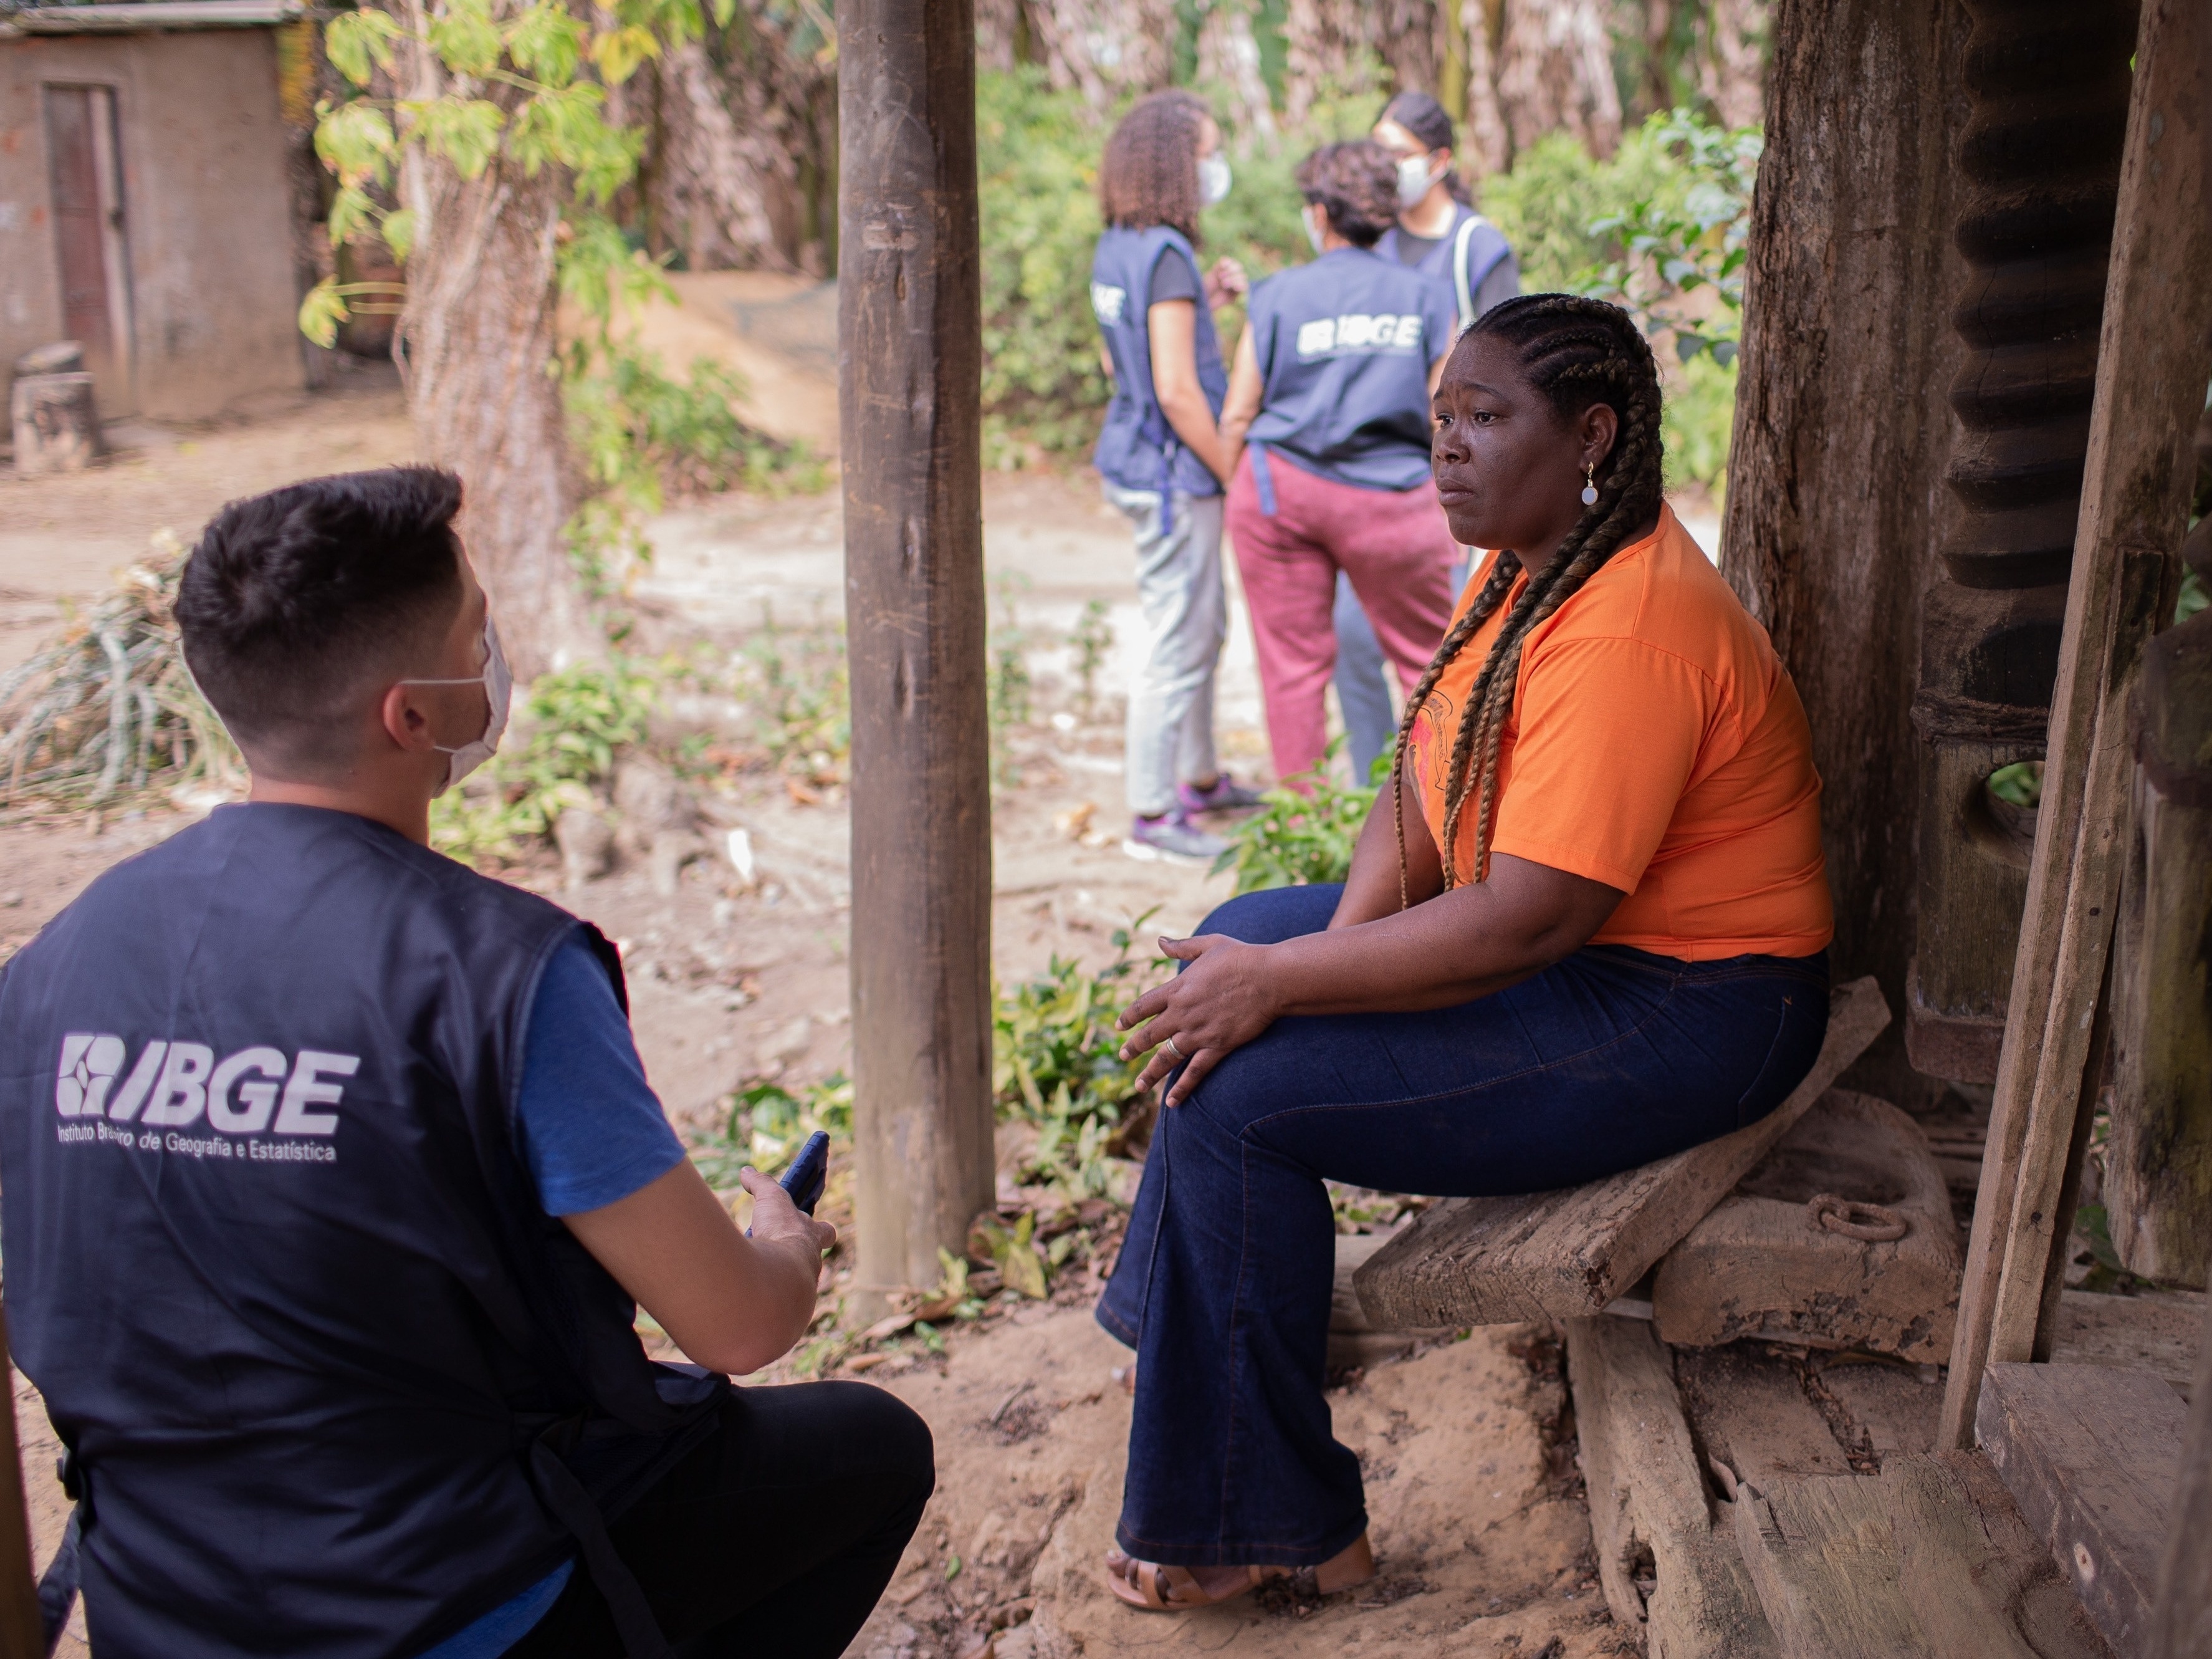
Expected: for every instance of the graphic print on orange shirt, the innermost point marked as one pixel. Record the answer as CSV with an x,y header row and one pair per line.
x,y
1657,744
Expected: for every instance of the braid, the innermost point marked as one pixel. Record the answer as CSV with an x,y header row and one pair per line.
x,y
1577,352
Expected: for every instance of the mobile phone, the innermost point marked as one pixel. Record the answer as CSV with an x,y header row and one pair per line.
x,y
809,1172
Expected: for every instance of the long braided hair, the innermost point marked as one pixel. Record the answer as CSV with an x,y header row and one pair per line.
x,y
1577,352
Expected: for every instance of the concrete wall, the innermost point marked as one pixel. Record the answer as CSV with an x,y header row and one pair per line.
x,y
206,211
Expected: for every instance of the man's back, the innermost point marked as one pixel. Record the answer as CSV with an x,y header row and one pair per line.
x,y
273,1260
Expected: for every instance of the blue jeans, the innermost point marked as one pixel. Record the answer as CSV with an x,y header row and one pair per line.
x,y
1607,1060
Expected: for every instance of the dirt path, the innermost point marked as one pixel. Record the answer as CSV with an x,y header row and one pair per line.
x,y
1478,1516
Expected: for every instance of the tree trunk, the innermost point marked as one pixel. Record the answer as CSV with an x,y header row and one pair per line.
x,y
1229,58
1483,138
1405,39
1555,70
712,171
1327,56
1842,432
1732,71
1106,48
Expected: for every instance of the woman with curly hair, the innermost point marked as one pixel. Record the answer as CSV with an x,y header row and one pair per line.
x,y
1162,457
1330,402
1585,928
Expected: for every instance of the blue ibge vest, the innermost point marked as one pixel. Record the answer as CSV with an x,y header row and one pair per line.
x,y
333,1381
1137,448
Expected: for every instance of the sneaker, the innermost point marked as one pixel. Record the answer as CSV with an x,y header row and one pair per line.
x,y
1172,839
1224,795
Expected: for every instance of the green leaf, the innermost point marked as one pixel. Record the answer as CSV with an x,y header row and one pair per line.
x,y
356,142
619,51
1687,345
465,39
548,42
321,312
355,42
465,131
399,233
350,211
1725,352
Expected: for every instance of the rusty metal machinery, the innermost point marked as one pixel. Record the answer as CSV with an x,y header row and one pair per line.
x,y
2047,82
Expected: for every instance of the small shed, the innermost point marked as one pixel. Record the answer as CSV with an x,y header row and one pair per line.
x,y
145,202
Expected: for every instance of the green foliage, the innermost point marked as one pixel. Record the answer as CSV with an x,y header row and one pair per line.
x,y
2019,785
2193,597
1091,641
573,722
1556,192
1301,835
796,690
764,1125
1054,1038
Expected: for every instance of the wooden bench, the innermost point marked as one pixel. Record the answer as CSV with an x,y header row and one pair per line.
x,y
1569,1253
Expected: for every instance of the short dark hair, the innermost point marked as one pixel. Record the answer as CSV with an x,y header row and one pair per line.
x,y
1430,123
294,603
1356,184
1149,174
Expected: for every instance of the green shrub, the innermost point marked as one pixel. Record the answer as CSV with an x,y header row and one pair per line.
x,y
1301,836
1054,1038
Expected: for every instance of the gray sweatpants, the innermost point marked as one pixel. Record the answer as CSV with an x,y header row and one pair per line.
x,y
1186,612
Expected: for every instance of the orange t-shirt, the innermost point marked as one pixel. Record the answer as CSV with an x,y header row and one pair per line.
x,y
1656,745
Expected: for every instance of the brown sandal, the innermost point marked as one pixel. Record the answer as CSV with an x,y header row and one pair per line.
x,y
1156,1589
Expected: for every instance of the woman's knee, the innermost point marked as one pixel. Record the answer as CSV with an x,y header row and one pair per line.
x,y
1273,914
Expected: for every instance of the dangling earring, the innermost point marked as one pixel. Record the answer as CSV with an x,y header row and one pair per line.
x,y
1590,486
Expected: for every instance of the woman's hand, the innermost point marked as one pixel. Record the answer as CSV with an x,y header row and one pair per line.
x,y
1218,1003
1225,284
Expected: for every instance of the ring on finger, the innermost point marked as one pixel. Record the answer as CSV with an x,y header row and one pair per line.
x,y
1170,1043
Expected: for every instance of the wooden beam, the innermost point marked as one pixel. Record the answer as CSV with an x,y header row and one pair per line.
x,y
1647,1498
1566,1254
909,399
2153,359
22,1628
2181,1623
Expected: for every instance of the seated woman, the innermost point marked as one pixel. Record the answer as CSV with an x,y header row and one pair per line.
x,y
1622,955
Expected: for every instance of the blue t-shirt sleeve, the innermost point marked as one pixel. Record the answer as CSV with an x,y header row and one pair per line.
x,y
591,1129
1440,317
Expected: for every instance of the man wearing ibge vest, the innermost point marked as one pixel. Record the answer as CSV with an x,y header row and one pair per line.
x,y
332,1174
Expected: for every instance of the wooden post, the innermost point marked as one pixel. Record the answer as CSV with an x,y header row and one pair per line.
x,y
2181,1622
2153,360
910,329
23,1629
2158,1187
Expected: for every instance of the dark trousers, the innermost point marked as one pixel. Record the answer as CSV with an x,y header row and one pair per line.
x,y
775,1536
1607,1060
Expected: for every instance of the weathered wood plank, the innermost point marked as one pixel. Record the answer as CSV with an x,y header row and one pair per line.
x,y
2155,355
2089,1453
1565,1254
2181,1628
2161,1332
1648,1499
1932,1558
1759,1265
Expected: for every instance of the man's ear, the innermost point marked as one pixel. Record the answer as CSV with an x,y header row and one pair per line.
x,y
405,722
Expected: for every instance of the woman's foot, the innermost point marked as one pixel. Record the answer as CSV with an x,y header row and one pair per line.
x,y
1223,794
1156,1589
1172,838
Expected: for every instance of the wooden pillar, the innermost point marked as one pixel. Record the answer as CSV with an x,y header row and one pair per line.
x,y
909,328
2152,361
23,1629
2158,1187
1841,431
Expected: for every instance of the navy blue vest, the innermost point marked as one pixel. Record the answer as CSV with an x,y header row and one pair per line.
x,y
1138,450
274,1260
1343,346
1486,246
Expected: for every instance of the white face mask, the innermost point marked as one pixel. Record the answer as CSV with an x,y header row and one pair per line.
x,y
1313,218
1415,176
498,683
1212,179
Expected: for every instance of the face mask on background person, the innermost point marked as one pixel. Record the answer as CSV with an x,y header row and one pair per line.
x,y
1214,178
1415,175
498,683
1313,216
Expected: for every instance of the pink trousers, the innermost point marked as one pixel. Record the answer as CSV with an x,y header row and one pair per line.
x,y
1398,551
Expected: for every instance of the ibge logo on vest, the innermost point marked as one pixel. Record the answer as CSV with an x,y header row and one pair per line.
x,y
175,1085
1334,337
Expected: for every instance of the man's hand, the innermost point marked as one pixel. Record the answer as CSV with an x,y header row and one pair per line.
x,y
1225,284
731,1303
1218,1003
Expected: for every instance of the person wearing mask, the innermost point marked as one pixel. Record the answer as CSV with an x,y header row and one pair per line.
x,y
1440,235
1328,409
335,1183
1585,928
1163,461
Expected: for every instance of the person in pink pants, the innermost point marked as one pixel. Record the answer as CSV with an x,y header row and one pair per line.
x,y
1329,397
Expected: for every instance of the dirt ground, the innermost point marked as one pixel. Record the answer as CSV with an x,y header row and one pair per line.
x,y
1478,1523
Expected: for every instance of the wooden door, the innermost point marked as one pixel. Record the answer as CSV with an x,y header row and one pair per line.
x,y
88,232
